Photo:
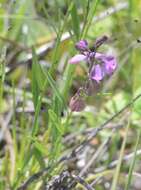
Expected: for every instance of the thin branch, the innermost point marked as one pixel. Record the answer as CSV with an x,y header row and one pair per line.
x,y
96,155
114,163
82,182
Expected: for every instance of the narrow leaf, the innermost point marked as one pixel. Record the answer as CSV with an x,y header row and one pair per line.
x,y
75,21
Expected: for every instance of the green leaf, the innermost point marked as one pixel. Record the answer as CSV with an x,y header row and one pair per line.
x,y
39,155
36,118
18,19
127,186
35,86
90,17
54,87
55,120
75,21
117,171
41,148
56,131
37,80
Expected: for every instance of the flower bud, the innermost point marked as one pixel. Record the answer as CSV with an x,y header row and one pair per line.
x,y
100,41
76,104
82,45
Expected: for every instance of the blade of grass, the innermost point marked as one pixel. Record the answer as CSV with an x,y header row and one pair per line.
x,y
75,21
90,18
2,74
34,83
22,7
117,172
58,41
23,169
39,157
127,186
86,8
14,134
56,131
36,118
37,80
53,86
37,97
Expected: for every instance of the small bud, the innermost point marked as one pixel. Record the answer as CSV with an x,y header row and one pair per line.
x,y
100,41
76,104
82,45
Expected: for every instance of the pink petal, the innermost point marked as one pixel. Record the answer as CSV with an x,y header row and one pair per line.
x,y
110,65
97,73
109,62
77,58
82,45
99,55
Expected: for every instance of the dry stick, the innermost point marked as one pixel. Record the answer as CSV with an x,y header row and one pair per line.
x,y
114,163
96,181
95,156
126,157
82,182
78,148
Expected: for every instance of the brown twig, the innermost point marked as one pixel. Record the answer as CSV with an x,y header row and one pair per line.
x,y
81,181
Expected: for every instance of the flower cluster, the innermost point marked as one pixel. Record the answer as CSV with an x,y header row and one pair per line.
x,y
106,63
100,66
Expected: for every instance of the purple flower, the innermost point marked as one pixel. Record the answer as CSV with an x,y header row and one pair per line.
x,y
82,45
97,73
81,57
107,64
110,64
